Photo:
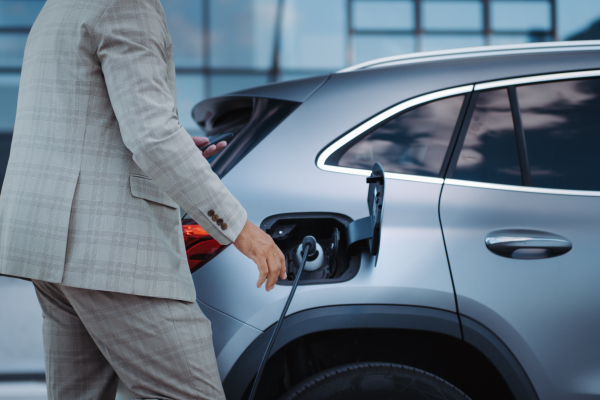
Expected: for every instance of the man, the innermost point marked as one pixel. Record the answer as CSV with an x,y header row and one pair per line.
x,y
89,206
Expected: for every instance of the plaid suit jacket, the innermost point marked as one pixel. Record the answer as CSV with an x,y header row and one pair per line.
x,y
99,163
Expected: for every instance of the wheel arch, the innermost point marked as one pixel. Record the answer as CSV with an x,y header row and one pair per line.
x,y
436,323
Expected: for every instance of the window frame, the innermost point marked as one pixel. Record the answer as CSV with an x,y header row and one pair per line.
x,y
511,84
518,131
366,127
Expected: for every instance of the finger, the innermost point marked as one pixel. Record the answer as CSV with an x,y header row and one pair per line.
x,y
200,141
214,149
283,273
273,273
262,274
210,151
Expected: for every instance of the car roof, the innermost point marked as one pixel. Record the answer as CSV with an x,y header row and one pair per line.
x,y
447,67
476,52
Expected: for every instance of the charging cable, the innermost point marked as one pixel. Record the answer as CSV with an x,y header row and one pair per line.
x,y
309,247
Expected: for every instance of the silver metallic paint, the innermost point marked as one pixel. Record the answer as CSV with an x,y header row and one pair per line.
x,y
526,189
473,52
280,176
546,311
537,79
531,305
231,339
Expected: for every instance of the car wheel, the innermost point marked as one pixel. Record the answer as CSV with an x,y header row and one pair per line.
x,y
381,381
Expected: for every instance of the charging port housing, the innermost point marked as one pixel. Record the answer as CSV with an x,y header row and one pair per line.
x,y
331,232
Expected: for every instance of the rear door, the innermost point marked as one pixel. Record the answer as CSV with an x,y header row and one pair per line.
x,y
520,212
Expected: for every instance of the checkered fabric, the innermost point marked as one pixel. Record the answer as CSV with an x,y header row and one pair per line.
x,y
99,161
159,348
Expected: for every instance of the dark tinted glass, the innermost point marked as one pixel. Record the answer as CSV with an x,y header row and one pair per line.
x,y
249,126
489,153
413,143
562,131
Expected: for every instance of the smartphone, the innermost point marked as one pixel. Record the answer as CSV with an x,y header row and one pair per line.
x,y
218,138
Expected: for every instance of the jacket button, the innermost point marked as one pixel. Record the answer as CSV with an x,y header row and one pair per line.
x,y
215,217
219,221
224,226
211,213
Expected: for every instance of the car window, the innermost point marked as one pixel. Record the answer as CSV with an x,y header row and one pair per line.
x,y
562,133
489,152
415,142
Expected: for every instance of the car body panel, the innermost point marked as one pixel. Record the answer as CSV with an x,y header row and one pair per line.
x,y
231,339
280,176
545,310
296,90
336,318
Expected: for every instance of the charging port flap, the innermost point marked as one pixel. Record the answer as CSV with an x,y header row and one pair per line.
x,y
367,231
340,241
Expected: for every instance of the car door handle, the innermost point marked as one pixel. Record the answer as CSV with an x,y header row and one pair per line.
x,y
526,244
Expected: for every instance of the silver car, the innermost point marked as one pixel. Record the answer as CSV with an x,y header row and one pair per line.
x,y
486,282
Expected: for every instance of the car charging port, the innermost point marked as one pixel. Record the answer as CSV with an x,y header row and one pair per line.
x,y
332,262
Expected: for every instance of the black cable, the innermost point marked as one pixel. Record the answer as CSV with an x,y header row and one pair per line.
x,y
309,246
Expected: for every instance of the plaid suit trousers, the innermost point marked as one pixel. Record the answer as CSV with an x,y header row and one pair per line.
x,y
159,348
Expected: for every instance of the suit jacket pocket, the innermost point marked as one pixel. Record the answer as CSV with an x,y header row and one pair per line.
x,y
145,188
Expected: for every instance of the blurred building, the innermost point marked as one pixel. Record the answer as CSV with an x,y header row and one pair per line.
x,y
225,45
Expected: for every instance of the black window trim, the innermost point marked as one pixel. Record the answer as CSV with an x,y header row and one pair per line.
x,y
464,127
519,135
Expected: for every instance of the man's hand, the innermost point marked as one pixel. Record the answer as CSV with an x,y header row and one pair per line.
x,y
258,246
202,141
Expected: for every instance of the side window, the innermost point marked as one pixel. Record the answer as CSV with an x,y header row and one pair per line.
x,y
562,133
415,142
489,152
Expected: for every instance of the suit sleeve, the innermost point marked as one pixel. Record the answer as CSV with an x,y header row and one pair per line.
x,y
131,38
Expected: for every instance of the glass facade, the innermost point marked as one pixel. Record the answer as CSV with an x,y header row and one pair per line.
x,y
226,45
222,46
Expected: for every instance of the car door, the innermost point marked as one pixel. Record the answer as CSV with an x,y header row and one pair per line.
x,y
520,213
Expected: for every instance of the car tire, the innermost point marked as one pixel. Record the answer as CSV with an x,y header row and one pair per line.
x,y
374,380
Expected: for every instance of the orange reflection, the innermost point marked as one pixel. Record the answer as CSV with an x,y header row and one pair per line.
x,y
199,245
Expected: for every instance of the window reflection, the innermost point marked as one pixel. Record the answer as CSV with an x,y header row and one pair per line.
x,y
313,34
184,20
383,15
489,152
12,48
520,15
369,47
19,13
9,88
413,143
500,39
226,83
562,132
190,87
441,42
456,15
242,33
